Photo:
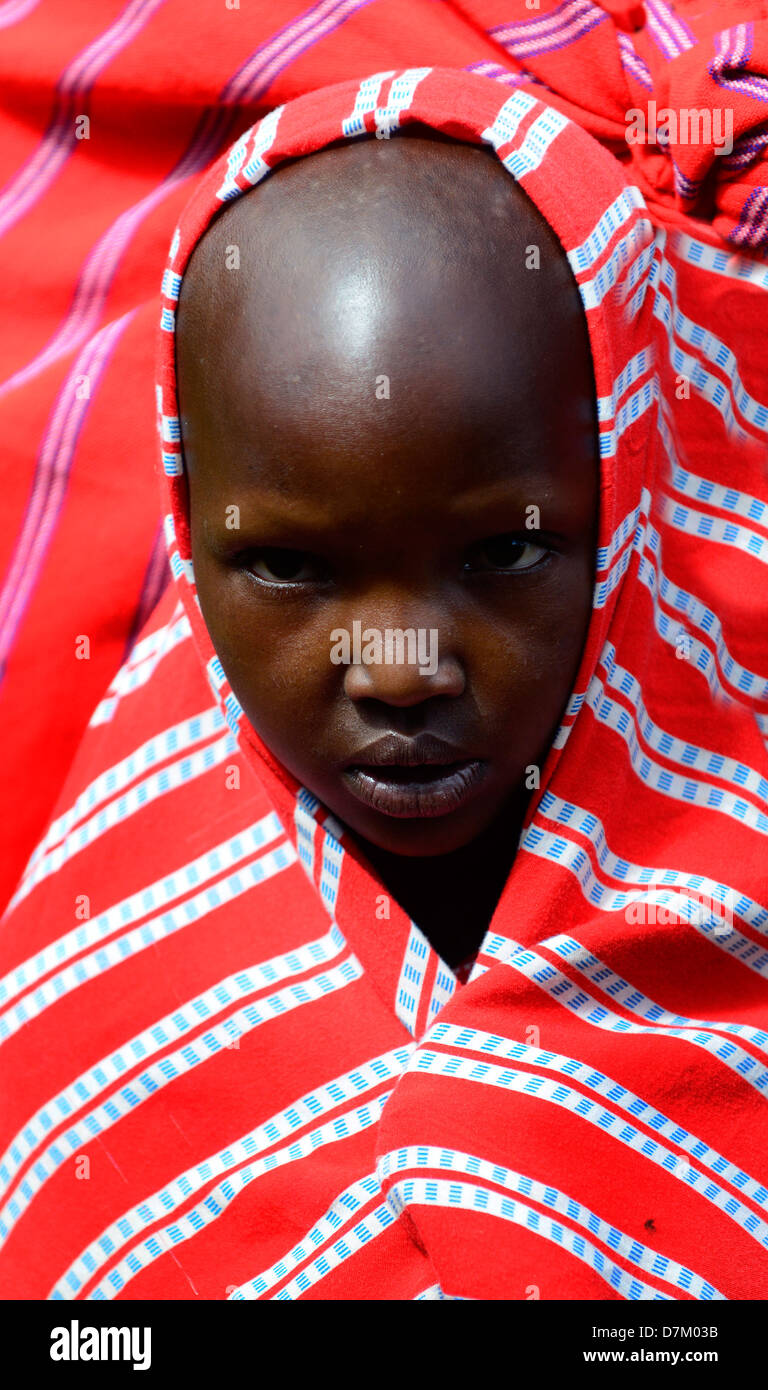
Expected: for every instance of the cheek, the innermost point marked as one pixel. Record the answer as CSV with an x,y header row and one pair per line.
x,y
276,660
528,660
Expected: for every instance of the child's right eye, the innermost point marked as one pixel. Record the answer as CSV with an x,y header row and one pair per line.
x,y
275,566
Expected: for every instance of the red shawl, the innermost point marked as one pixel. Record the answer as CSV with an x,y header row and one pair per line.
x,y
231,1076
103,132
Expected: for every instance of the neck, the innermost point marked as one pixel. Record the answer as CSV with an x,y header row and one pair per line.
x,y
452,897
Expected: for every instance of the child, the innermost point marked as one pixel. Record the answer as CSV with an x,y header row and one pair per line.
x,y
382,403
408,510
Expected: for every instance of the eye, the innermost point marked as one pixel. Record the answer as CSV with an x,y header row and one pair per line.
x,y
274,566
507,552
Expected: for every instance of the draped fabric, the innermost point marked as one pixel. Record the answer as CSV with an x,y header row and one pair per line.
x,y
231,1074
105,128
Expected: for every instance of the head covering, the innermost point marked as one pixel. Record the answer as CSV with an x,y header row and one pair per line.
x,y
77,364
281,1088
676,89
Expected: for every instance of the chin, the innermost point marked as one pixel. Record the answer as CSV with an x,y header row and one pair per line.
x,y
418,837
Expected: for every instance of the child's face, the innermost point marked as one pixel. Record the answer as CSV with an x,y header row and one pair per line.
x,y
400,407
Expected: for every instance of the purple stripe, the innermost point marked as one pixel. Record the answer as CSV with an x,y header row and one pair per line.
x,y
500,74
525,29
660,36
564,26
260,70
50,481
662,17
212,133
746,150
72,88
753,223
676,24
752,85
15,10
735,48
93,286
633,63
156,579
687,188
667,30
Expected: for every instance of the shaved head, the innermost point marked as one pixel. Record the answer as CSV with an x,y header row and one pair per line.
x,y
380,257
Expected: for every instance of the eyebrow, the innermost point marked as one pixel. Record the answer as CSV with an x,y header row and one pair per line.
x,y
262,510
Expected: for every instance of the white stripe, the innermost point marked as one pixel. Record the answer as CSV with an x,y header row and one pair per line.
x,y
608,1089
177,739
578,1001
667,1271
401,94
636,405
620,211
330,872
366,101
166,1238
630,528
680,328
627,266
693,791
711,388
588,824
304,820
162,925
728,499
182,569
714,528
507,119
539,137
636,367
733,265
153,899
558,849
252,166
177,774
556,1092
159,1074
571,710
443,989
632,999
470,1197
237,1165
687,755
741,681
343,1210
409,984
153,1038
143,660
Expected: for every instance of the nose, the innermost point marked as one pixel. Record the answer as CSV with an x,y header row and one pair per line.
x,y
401,666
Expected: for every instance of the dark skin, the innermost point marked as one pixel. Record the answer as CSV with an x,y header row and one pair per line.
x,y
403,259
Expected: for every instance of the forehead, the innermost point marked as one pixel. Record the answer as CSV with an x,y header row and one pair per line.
x,y
383,300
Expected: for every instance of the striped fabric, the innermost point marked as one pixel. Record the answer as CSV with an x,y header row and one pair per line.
x,y
233,1074
103,131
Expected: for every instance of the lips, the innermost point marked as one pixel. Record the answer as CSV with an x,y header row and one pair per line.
x,y
413,777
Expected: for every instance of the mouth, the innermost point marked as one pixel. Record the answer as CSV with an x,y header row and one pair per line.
x,y
420,777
